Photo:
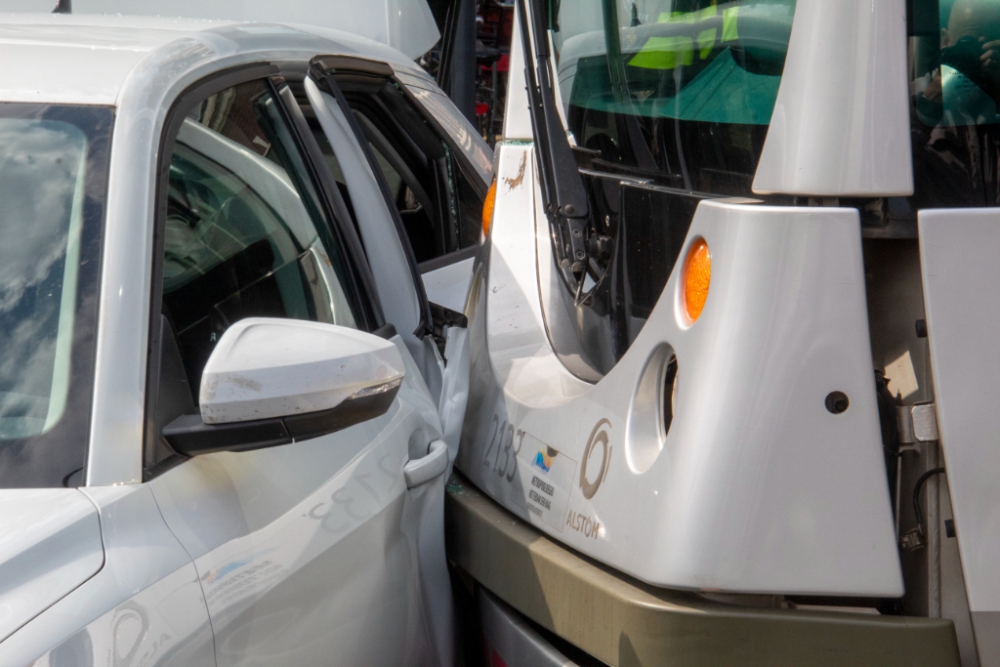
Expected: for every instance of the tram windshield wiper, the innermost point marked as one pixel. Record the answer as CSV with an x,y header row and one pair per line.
x,y
563,192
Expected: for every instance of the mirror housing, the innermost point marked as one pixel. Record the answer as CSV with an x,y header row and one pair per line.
x,y
275,381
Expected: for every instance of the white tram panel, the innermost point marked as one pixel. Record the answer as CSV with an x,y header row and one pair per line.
x,y
757,487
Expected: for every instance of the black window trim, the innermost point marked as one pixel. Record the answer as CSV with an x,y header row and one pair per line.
x,y
333,202
341,227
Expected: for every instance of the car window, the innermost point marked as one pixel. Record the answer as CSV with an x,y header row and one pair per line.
x,y
245,234
457,126
53,170
432,184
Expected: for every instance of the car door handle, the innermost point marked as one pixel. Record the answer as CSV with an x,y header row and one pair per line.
x,y
422,470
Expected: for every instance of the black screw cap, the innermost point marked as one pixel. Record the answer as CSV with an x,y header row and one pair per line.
x,y
836,402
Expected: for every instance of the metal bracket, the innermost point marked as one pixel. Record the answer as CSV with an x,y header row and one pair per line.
x,y
917,423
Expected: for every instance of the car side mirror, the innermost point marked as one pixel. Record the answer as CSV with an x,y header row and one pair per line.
x,y
275,381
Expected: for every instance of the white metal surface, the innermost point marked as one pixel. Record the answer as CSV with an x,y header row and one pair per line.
x,y
309,553
312,553
756,491
406,25
422,470
961,279
840,125
50,543
449,285
267,367
516,121
76,59
144,606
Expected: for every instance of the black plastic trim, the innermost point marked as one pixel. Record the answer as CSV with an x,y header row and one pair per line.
x,y
190,436
336,208
385,331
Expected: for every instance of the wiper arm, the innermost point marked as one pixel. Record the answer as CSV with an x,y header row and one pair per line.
x,y
563,192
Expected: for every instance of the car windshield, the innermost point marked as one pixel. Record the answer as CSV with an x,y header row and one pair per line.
x,y
676,90
52,173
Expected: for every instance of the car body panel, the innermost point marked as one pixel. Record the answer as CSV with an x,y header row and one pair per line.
x,y
265,527
81,60
148,609
50,543
448,285
391,272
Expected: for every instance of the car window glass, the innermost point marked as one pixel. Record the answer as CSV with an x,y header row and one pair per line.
x,y
955,97
53,174
440,209
457,126
42,171
245,235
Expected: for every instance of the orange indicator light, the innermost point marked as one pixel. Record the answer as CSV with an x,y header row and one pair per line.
x,y
695,279
491,198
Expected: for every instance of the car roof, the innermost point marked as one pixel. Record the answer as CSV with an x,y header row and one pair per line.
x,y
86,59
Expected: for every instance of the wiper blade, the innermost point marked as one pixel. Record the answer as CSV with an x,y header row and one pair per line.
x,y
563,192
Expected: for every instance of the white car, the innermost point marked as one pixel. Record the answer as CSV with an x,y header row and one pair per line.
x,y
227,406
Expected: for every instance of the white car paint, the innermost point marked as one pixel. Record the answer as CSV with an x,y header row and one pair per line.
x,y
146,609
392,276
329,550
50,543
405,25
265,367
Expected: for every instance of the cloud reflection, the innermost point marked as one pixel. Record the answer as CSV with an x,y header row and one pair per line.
x,y
40,161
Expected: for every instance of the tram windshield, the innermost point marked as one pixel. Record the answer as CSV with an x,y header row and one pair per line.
x,y
955,97
667,102
677,90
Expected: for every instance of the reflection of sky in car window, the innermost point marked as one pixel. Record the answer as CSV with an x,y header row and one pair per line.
x,y
40,196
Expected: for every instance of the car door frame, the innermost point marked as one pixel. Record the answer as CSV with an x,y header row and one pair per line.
x,y
451,385
362,290
424,508
359,65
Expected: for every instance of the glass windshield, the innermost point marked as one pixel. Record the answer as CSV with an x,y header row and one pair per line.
x,y
52,166
678,90
955,96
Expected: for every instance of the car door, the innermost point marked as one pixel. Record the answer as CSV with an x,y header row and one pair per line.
x,y
359,107
423,153
312,552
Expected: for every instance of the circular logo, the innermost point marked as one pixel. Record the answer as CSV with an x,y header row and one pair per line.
x,y
598,436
